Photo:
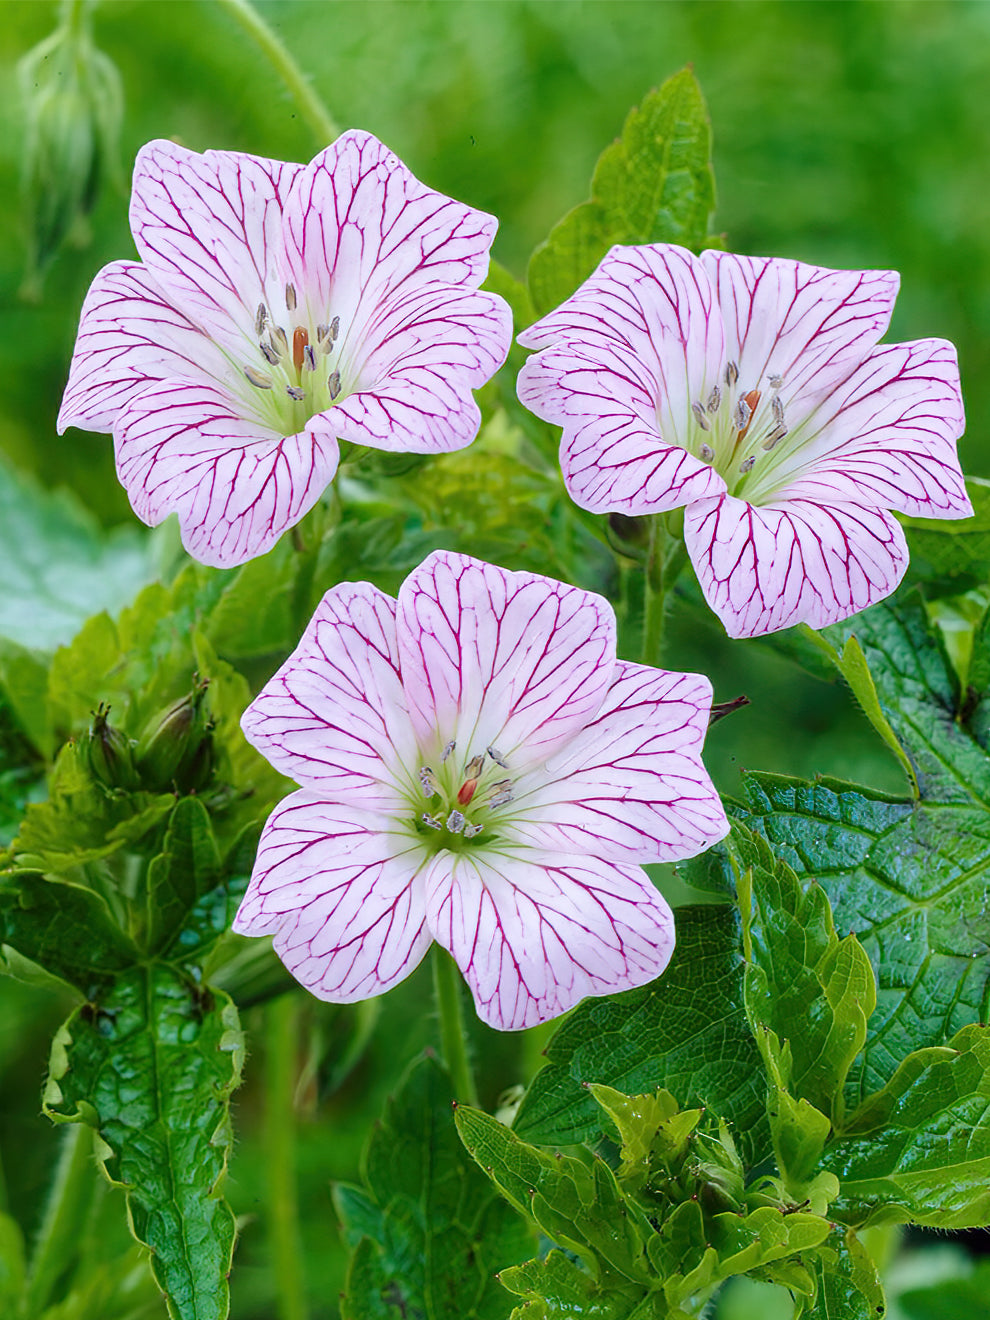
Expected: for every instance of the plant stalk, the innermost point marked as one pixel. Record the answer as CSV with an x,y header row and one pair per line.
x,y
310,105
281,1054
453,1037
65,1211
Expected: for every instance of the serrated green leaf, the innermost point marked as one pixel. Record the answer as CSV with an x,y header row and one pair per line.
x,y
427,1228
81,822
151,1064
848,1286
66,929
814,992
558,1289
687,1033
187,868
653,185
908,878
59,566
930,1162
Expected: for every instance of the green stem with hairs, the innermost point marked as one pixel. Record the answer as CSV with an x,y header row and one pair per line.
x,y
65,1212
311,107
281,1043
665,558
453,1037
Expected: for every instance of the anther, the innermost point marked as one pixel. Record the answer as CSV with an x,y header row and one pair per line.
x,y
278,340
777,408
501,793
290,297
776,435
455,822
294,392
428,780
474,767
731,374
747,464
333,384
334,328
471,830
260,317
707,453
259,379
742,415
497,757
309,357
700,418
776,382
270,355
300,338
322,332
434,822
714,400
447,750
467,791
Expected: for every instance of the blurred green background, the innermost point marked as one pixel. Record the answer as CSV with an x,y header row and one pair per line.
x,y
848,134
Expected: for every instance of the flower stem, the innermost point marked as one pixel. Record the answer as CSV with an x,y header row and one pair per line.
x,y
453,1038
281,1043
665,558
65,1211
311,107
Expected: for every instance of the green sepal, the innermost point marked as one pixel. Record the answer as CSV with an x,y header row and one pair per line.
x,y
150,1065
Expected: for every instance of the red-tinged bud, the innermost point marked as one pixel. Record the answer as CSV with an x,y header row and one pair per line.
x,y
108,753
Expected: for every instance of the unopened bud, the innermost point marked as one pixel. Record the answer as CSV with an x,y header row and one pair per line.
x,y
73,110
108,753
171,752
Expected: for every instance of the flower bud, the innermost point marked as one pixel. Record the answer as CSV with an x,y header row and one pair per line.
x,y
176,748
73,109
107,753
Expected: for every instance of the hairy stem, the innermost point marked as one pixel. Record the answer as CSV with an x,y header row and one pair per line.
x,y
65,1211
665,558
310,105
453,1038
281,1047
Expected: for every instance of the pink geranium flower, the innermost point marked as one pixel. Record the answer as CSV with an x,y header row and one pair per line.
x,y
479,769
276,310
751,392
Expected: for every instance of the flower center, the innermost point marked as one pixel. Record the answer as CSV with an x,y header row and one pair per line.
x,y
463,799
297,372
738,429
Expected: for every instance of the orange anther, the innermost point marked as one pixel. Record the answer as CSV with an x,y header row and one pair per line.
x,y
300,338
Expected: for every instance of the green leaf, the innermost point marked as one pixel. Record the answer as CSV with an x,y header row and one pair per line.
x,y
427,1228
687,1032
151,1065
24,684
11,1264
961,1298
653,185
929,1162
59,566
957,552
187,868
814,992
848,1287
64,928
907,877
558,1289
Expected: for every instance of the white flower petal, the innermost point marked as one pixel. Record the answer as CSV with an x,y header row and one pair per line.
x,y
631,785
185,447
130,335
887,435
342,897
490,657
657,305
612,454
334,716
209,227
803,323
534,934
414,368
763,569
361,229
